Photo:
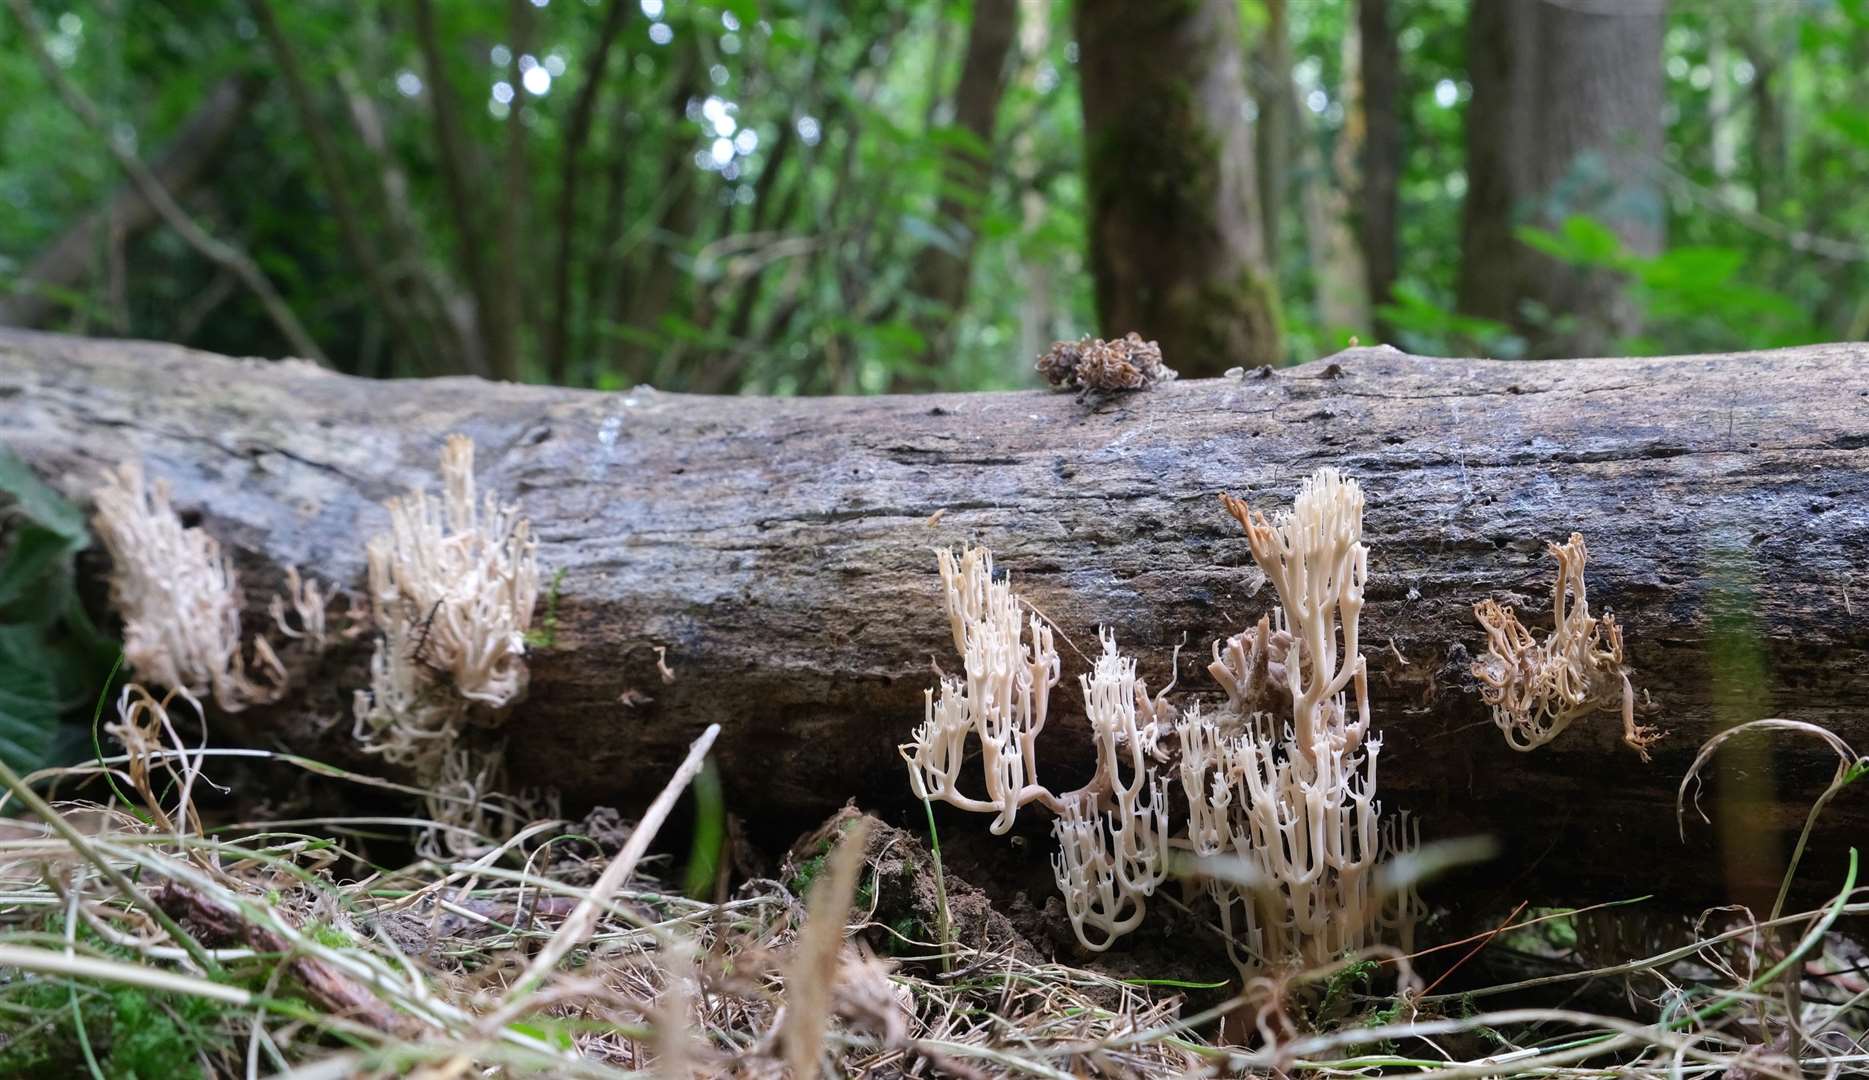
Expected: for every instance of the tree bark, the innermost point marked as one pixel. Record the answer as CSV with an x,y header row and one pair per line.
x,y
780,550
1175,231
1565,120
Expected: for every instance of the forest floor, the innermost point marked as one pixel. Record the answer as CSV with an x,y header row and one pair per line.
x,y
145,938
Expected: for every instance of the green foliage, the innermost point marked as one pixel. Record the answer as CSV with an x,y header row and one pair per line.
x,y
1346,982
762,183
1693,297
1423,326
134,1034
52,660
709,841
55,1027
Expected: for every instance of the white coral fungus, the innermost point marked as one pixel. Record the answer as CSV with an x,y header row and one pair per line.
x,y
179,598
452,588
466,574
1537,688
1280,780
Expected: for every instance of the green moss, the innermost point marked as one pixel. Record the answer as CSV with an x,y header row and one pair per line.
x,y
546,634
132,1032
329,936
1158,166
807,872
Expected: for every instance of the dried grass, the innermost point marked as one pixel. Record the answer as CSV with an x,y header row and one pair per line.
x,y
294,958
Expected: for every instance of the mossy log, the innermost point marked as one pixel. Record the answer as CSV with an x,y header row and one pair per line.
x,y
780,549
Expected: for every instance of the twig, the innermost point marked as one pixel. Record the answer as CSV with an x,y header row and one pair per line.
x,y
1471,953
334,991
583,918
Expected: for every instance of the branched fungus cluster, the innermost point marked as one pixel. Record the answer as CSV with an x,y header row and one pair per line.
x,y
1536,688
1279,780
179,598
452,588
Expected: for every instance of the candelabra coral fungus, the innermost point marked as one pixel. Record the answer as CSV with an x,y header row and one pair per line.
x,y
1280,779
179,598
1536,688
452,588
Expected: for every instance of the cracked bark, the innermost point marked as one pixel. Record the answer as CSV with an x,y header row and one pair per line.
x,y
780,549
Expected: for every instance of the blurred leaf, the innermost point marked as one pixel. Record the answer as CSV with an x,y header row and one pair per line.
x,y
34,553
1853,124
29,707
1581,240
39,503
928,234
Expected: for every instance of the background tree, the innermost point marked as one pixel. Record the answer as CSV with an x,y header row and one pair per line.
x,y
1176,241
942,270
792,196
1566,120
1375,202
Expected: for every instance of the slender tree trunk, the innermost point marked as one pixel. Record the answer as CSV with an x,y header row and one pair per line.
x,y
457,171
1565,120
1341,280
504,330
583,115
942,273
1377,199
1176,238
650,285
360,237
1272,132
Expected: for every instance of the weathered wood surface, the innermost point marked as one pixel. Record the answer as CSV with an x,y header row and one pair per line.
x,y
780,549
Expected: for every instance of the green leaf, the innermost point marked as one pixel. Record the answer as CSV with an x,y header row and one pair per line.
x,y
35,554
28,702
39,503
1853,124
1581,239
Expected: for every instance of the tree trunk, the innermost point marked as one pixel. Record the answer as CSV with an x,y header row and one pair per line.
x,y
458,170
72,256
1565,120
1272,131
570,173
780,550
1339,278
1378,196
941,274
1175,232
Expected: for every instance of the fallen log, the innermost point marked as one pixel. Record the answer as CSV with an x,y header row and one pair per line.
x,y
779,550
